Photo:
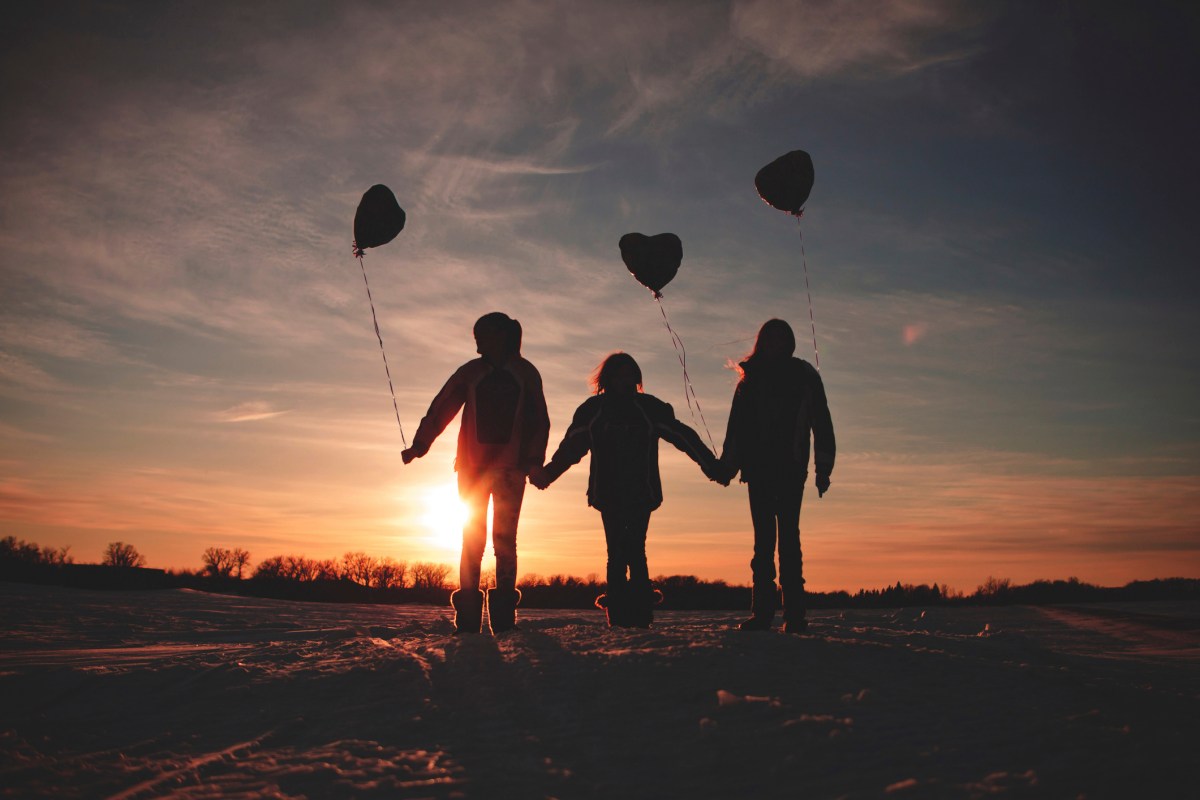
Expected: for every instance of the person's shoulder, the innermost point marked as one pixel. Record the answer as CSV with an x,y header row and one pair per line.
x,y
590,407
592,401
473,367
804,368
653,406
524,366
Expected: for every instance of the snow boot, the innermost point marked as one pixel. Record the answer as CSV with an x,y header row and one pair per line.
x,y
762,609
642,601
615,606
468,610
502,608
794,618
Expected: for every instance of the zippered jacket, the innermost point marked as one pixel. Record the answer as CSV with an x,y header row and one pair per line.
x,y
777,408
622,433
504,424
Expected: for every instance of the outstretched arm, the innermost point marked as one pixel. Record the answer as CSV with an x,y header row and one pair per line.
x,y
687,440
444,408
575,445
536,424
731,451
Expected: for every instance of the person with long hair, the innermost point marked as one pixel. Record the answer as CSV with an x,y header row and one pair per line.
x,y
502,436
621,426
779,407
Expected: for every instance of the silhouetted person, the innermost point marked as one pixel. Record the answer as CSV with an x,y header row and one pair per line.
x,y
778,404
621,427
502,436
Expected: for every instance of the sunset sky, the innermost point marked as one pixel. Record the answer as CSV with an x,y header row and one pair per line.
x,y
1002,246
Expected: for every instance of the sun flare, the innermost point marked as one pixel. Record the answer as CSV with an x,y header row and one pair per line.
x,y
445,514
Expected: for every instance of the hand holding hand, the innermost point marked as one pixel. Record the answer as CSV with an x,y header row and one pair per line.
x,y
822,485
539,478
719,474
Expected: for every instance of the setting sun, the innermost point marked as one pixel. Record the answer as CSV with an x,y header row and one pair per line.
x,y
444,516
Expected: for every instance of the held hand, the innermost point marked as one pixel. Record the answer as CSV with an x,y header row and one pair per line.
x,y
718,474
730,473
539,478
409,454
822,485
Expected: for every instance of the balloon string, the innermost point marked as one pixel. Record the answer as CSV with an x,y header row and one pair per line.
x,y
689,391
358,254
808,289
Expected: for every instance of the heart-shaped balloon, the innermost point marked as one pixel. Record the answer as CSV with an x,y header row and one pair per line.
x,y
379,218
786,182
653,260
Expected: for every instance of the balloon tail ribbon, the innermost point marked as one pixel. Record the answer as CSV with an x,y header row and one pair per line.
x,y
808,290
689,391
359,255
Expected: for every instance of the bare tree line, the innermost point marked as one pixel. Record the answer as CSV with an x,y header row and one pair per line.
x,y
357,567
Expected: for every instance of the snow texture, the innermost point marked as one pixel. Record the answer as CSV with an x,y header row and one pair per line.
x,y
185,694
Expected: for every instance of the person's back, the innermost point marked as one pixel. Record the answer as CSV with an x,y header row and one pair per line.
x,y
504,423
779,406
502,435
620,426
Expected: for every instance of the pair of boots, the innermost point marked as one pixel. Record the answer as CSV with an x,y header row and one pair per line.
x,y
764,604
468,610
629,606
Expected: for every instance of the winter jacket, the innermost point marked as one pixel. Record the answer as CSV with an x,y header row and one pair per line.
x,y
622,433
504,425
776,408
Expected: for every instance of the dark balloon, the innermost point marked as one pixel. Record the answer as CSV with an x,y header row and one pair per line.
x,y
653,260
786,181
379,218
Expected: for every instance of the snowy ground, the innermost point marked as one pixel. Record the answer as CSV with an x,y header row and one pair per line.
x,y
185,694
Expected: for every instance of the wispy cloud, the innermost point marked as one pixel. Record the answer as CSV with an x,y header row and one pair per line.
x,y
854,36
249,411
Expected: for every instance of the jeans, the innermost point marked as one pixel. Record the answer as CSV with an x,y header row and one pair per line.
x,y
625,534
775,514
506,488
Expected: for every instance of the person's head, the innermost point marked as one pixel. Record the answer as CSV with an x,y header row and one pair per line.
x,y
618,372
497,336
775,342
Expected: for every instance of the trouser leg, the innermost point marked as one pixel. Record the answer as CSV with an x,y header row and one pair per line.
x,y
508,489
764,519
474,491
764,597
791,561
630,598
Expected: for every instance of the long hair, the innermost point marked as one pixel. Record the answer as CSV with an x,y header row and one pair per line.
x,y
775,340
602,377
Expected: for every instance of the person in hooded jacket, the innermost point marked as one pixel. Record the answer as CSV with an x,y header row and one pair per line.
x,y
502,436
621,426
778,407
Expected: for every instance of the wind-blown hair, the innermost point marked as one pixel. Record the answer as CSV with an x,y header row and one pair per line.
x,y
775,340
602,377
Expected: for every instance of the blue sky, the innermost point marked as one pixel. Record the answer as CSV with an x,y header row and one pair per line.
x,y
1000,242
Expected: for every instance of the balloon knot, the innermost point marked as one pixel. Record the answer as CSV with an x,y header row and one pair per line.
x,y
358,251
798,213
657,295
